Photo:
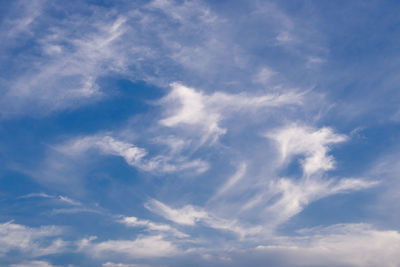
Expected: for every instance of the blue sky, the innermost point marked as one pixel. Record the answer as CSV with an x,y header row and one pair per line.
x,y
199,133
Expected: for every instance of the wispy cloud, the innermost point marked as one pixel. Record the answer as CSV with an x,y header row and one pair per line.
x,y
187,215
39,195
151,226
142,247
209,146
231,182
191,216
57,80
294,196
133,155
194,108
63,199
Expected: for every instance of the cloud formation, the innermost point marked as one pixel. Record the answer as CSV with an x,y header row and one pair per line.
x,y
206,111
133,155
312,143
30,241
207,133
142,247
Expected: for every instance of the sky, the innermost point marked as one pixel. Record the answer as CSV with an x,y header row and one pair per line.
x,y
199,133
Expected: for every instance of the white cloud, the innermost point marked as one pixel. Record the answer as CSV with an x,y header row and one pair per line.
x,y
132,154
142,247
33,195
194,108
68,73
151,226
184,12
129,152
158,42
79,49
273,201
174,143
192,111
387,169
61,198
33,264
264,75
25,17
312,143
344,244
30,241
282,198
69,201
188,215
76,210
284,37
314,61
65,76
191,216
232,181
294,196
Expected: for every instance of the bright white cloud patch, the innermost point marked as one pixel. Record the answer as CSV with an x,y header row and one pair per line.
x,y
194,108
313,144
142,247
30,241
192,111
